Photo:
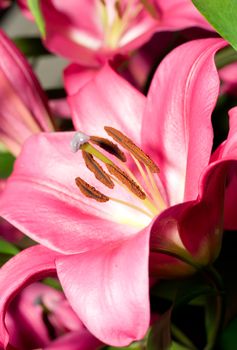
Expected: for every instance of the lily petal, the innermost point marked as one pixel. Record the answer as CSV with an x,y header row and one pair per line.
x,y
24,108
195,227
178,116
76,76
59,108
179,14
82,340
98,101
84,223
24,81
228,150
17,273
110,285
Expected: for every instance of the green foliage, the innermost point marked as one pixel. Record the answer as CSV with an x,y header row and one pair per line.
x,y
159,335
6,163
35,9
176,346
133,346
222,14
228,338
7,248
52,282
31,46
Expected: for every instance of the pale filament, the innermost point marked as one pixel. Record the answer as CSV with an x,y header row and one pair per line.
x,y
158,198
156,203
146,202
132,206
114,31
144,176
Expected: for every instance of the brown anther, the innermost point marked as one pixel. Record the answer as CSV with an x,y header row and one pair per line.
x,y
132,148
97,170
109,147
150,8
126,180
118,8
90,191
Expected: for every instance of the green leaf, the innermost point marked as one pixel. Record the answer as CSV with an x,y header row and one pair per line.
x,y
7,248
229,336
226,56
176,346
133,346
213,320
159,336
35,9
182,338
4,258
6,164
31,46
222,14
52,282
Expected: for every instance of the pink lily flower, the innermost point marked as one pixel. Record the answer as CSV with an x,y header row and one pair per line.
x,y
94,31
25,317
23,325
101,246
24,108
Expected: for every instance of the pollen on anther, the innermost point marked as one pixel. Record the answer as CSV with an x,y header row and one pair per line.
x,y
97,170
109,146
126,180
129,145
78,140
90,191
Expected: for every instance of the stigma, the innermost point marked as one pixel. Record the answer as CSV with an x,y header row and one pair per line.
x,y
95,152
78,140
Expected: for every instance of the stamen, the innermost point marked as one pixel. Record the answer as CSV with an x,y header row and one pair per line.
x,y
157,196
126,180
132,148
146,202
98,171
78,140
142,172
150,8
109,146
118,9
131,206
90,191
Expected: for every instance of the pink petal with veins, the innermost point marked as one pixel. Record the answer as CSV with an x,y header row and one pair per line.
x,y
113,285
179,115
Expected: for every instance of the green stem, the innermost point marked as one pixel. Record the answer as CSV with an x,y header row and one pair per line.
x,y
182,338
216,281
225,57
183,258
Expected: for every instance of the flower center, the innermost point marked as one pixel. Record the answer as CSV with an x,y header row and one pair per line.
x,y
143,187
117,17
